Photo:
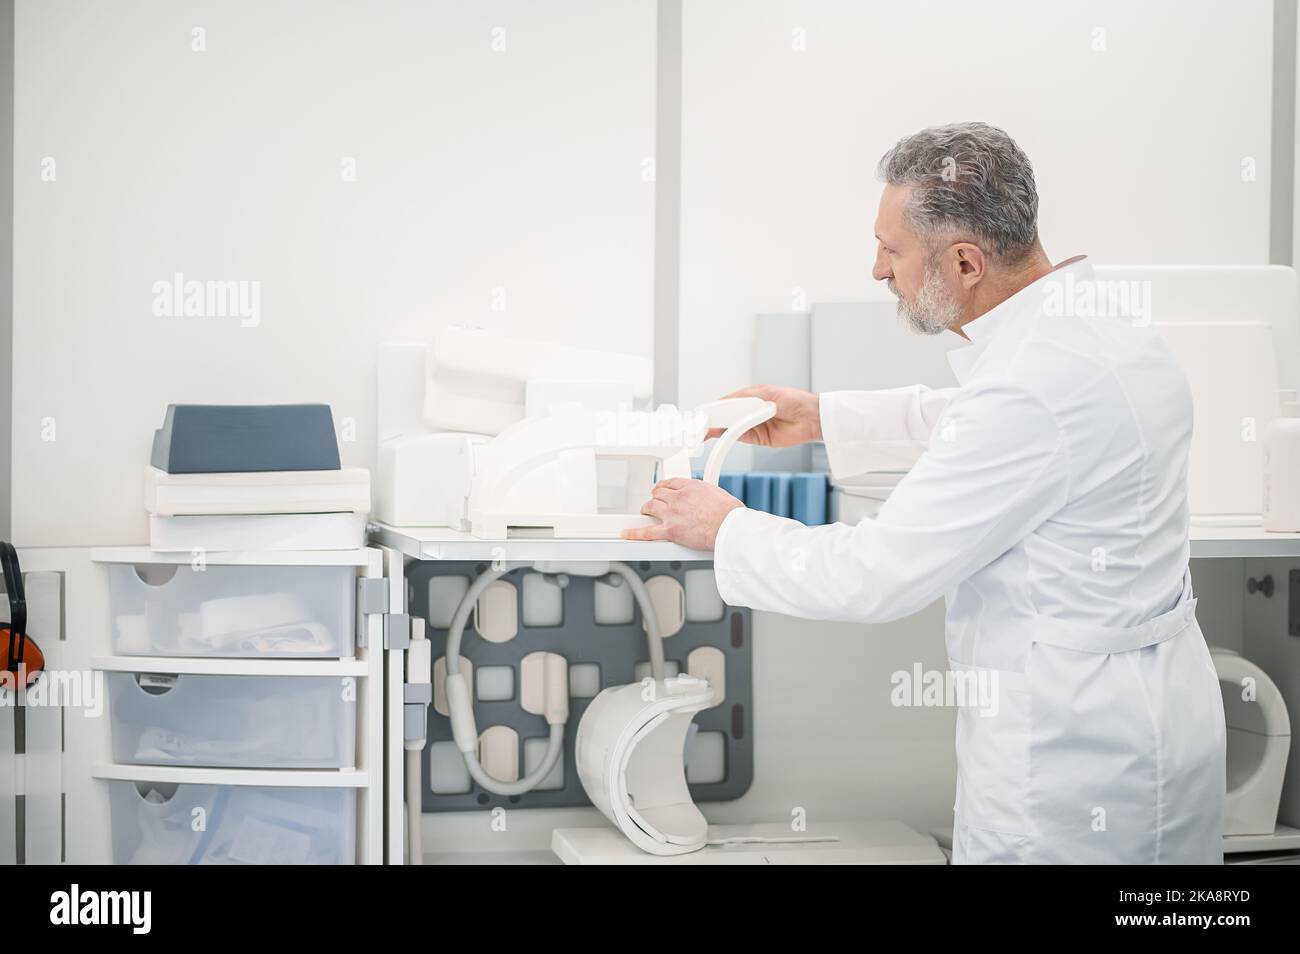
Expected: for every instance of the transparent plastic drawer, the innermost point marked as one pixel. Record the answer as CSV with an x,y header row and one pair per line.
x,y
233,721
164,610
169,824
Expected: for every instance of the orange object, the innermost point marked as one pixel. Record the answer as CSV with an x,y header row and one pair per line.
x,y
25,660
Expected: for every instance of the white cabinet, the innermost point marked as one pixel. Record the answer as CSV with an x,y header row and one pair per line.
x,y
232,751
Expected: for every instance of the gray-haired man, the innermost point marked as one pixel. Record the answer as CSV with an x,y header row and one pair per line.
x,y
1046,501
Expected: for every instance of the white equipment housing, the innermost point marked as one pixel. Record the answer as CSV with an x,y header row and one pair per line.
x,y
479,433
1234,328
1259,740
630,756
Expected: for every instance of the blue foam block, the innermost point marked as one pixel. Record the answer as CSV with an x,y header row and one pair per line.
x,y
802,496
733,484
758,492
782,499
808,494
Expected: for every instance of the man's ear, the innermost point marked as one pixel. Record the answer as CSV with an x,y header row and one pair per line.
x,y
971,264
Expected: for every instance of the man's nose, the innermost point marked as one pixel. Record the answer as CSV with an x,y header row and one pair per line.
x,y
881,270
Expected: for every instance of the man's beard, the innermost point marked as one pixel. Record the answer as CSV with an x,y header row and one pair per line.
x,y
934,310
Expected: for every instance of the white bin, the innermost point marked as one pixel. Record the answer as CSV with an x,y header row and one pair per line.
x,y
233,610
233,721
154,824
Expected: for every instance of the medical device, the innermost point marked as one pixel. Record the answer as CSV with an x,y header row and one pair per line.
x,y
493,435
553,701
1259,740
630,758
544,683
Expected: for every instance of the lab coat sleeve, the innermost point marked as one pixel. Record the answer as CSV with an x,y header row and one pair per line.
x,y
997,468
879,430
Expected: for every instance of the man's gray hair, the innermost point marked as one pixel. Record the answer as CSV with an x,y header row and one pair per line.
x,y
969,181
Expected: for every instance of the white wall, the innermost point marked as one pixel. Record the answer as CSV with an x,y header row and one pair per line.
x,y
476,170
1137,149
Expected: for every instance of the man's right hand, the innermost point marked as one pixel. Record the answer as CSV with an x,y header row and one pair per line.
x,y
797,420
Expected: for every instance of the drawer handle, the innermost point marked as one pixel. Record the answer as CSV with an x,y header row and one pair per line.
x,y
156,683
151,574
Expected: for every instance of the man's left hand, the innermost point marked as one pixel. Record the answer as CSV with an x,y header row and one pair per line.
x,y
689,511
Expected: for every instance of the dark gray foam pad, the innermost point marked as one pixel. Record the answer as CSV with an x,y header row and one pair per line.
x,y
231,438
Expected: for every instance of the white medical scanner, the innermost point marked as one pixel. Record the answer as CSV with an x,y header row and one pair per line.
x,y
630,755
1259,740
491,434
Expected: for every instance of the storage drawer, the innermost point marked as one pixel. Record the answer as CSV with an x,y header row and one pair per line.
x,y
154,824
233,721
233,610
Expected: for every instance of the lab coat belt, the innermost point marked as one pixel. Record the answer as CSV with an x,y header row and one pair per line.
x,y
1118,639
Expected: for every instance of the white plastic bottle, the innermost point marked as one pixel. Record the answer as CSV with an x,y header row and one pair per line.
x,y
1282,470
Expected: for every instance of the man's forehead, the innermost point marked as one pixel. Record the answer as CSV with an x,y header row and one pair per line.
x,y
889,219
893,199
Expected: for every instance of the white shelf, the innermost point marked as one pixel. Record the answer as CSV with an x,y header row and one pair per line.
x,y
1228,542
439,543
193,775
360,556
1283,838
435,543
225,666
521,857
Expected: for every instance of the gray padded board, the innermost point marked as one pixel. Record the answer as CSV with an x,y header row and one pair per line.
x,y
248,438
617,649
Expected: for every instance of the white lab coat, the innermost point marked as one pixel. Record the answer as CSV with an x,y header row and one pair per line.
x,y
1047,502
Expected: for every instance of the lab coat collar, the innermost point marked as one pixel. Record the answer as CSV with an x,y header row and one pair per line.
x,y
1023,304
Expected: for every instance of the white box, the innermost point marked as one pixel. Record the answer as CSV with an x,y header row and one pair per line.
x,y
270,492
258,531
233,721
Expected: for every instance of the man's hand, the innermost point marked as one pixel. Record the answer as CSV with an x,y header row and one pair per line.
x,y
689,511
798,417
